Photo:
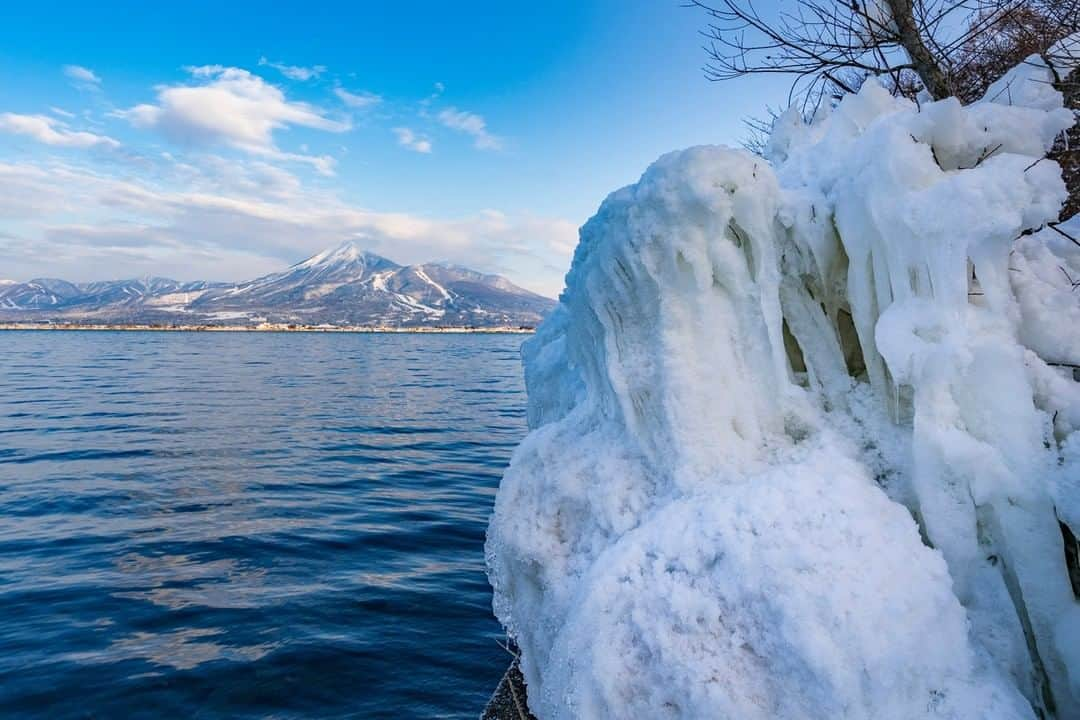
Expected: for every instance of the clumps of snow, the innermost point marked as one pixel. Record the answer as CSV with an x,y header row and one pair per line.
x,y
1047,285
781,596
806,431
1030,84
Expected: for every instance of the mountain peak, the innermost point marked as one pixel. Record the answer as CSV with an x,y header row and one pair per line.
x,y
349,249
347,253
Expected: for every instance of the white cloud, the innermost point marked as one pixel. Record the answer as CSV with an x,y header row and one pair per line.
x,y
233,107
82,76
471,124
61,112
51,131
407,138
358,100
295,72
204,70
219,219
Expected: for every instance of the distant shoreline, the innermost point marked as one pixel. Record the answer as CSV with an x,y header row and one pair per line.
x,y
372,329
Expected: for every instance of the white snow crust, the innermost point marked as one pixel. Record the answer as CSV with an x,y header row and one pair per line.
x,y
805,430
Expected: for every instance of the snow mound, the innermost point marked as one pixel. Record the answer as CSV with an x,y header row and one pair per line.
x,y
762,615
806,431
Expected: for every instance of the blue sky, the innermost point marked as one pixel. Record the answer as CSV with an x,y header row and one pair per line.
x,y
222,140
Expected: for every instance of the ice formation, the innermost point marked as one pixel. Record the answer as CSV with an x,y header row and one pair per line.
x,y
805,432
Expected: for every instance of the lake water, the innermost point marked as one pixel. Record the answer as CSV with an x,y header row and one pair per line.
x,y
203,525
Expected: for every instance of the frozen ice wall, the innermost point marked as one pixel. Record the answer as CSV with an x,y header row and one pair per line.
x,y
806,431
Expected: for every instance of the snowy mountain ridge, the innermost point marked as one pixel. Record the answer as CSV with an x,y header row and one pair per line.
x,y
345,285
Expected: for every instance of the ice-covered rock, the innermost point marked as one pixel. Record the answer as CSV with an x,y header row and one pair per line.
x,y
806,433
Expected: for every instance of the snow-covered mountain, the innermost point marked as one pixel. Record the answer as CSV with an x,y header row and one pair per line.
x,y
37,294
346,285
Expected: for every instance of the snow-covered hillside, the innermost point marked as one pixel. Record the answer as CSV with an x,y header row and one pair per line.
x,y
345,285
806,432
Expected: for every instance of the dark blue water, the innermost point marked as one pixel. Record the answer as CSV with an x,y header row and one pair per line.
x,y
250,525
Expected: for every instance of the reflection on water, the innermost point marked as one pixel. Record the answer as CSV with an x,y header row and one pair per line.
x,y
180,650
250,525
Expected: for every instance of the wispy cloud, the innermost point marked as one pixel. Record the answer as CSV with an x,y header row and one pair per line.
x,y
359,100
50,131
82,77
295,72
231,106
472,124
204,70
409,139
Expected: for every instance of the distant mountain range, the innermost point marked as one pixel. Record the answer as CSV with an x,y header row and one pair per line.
x,y
343,286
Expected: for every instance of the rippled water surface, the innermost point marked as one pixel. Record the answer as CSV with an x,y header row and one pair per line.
x,y
250,525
